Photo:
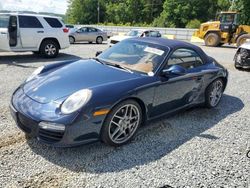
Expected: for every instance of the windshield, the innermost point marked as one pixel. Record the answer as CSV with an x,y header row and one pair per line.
x,y
135,55
4,21
133,33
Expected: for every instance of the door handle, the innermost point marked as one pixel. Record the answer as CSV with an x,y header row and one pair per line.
x,y
40,31
3,33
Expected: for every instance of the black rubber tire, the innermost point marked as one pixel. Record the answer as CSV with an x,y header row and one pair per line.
x,y
105,127
216,39
208,91
99,40
241,38
71,40
43,47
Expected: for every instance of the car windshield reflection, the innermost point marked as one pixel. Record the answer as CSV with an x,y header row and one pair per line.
x,y
135,55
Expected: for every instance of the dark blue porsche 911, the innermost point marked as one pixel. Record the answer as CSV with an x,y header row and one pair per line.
x,y
107,98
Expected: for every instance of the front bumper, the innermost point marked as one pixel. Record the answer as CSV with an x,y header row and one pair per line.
x,y
242,59
79,129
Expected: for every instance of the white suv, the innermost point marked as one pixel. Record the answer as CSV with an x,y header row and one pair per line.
x,y
33,32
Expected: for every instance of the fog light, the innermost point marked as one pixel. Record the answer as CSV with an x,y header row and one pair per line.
x,y
52,126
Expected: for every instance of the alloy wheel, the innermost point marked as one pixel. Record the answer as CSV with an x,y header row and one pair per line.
x,y
216,93
124,123
50,49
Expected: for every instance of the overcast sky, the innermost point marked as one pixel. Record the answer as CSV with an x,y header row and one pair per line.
x,y
54,6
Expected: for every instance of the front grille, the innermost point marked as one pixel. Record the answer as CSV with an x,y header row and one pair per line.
x,y
50,136
26,124
113,41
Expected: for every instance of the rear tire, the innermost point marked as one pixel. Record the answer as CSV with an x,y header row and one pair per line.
x,y
121,123
99,40
242,39
49,49
214,93
212,40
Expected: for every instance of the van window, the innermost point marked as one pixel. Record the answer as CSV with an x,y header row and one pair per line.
x,y
4,21
53,22
29,22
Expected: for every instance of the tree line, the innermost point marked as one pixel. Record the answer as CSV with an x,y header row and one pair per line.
x,y
158,13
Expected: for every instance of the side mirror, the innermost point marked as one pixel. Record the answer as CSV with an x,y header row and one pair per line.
x,y
98,53
176,70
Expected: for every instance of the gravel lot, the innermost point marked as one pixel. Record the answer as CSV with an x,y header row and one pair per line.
x,y
196,148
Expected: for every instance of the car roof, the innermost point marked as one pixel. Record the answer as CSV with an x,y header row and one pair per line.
x,y
172,44
29,14
143,30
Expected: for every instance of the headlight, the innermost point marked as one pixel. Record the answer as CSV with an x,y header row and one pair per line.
x,y
35,73
75,101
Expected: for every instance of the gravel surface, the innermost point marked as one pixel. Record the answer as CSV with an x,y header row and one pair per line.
x,y
196,148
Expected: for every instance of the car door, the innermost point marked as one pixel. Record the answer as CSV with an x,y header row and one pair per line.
x,y
92,34
82,34
176,90
4,39
31,31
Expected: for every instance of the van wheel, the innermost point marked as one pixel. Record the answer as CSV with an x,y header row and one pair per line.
x,y
212,39
99,40
49,49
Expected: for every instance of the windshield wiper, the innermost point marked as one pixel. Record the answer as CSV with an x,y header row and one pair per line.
x,y
98,60
120,66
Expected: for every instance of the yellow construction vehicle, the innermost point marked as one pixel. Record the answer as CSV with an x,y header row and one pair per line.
x,y
226,30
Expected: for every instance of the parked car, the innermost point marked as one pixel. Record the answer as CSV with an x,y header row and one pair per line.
x,y
89,34
41,34
70,27
242,56
134,33
109,97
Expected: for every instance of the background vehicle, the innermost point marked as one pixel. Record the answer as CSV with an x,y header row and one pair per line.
x,y
134,33
89,34
242,56
227,29
71,103
41,34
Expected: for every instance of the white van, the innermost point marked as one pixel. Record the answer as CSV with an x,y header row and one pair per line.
x,y
41,34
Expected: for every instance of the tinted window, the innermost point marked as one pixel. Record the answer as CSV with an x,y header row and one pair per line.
x,y
4,21
83,29
186,58
53,22
29,22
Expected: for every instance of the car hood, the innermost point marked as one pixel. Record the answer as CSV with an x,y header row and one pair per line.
x,y
65,80
120,37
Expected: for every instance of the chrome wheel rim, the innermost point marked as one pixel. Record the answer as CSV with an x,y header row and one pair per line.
x,y
50,49
124,123
216,93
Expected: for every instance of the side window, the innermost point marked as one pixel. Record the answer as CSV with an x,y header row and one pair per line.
x,y
83,30
29,22
92,29
53,22
186,58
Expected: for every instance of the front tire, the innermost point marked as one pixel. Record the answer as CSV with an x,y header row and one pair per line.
x,y
214,93
212,40
121,123
49,49
71,40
